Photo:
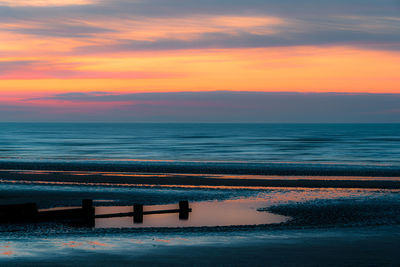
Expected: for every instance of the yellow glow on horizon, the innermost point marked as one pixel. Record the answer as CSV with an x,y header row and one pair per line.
x,y
300,69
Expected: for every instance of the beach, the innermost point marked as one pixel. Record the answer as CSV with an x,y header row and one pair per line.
x,y
276,195
321,225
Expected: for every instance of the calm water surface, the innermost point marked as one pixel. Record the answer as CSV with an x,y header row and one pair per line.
x,y
326,143
215,213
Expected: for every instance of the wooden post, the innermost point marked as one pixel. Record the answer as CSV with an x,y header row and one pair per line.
x,y
19,213
88,212
87,204
138,213
183,210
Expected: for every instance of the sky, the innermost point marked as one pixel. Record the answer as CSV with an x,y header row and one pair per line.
x,y
200,61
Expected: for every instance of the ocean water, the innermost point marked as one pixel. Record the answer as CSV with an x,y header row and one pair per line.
x,y
370,144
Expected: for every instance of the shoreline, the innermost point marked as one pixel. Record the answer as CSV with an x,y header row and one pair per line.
x,y
204,167
190,180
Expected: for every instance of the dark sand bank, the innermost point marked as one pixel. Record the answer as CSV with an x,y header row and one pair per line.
x,y
169,179
328,213
212,167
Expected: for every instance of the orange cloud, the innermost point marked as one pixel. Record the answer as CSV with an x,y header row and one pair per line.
x,y
301,69
50,36
189,27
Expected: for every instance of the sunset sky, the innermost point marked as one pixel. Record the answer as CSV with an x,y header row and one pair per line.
x,y
200,61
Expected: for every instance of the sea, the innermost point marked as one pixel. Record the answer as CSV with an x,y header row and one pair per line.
x,y
203,143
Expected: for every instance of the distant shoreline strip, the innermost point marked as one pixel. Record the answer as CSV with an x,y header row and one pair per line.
x,y
195,182
234,168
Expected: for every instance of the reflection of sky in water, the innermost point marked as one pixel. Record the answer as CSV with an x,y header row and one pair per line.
x,y
6,249
215,213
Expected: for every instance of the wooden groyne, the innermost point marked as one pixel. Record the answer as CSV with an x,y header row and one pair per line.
x,y
138,212
83,216
27,212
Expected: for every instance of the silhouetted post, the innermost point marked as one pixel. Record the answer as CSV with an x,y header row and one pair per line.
x,y
18,212
138,213
183,210
88,212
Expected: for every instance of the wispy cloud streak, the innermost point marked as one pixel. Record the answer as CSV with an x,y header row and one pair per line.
x,y
225,106
175,24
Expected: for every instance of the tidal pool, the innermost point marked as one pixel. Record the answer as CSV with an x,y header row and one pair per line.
x,y
210,213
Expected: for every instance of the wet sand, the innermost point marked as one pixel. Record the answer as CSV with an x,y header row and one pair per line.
x,y
209,167
326,247
329,226
237,181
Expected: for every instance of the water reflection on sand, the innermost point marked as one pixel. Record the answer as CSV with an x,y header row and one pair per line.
x,y
210,213
6,249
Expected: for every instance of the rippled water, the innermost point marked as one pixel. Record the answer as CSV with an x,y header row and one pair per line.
x,y
333,143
